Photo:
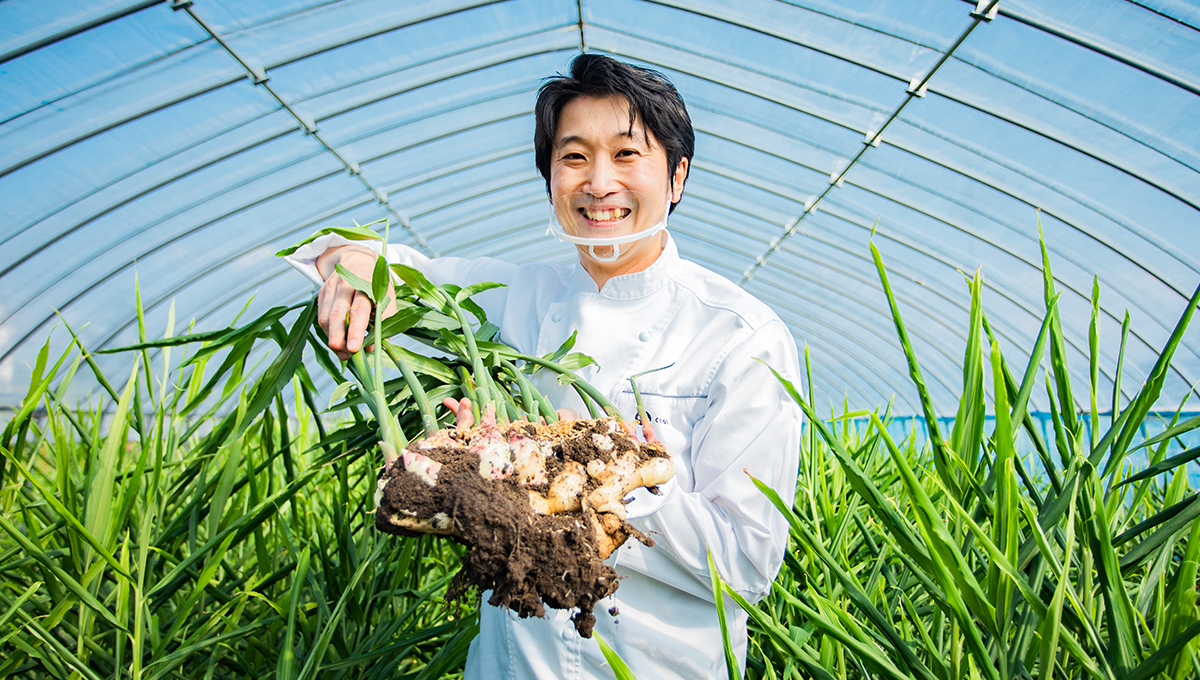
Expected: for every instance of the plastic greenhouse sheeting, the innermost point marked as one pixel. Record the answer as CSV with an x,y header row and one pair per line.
x,y
185,142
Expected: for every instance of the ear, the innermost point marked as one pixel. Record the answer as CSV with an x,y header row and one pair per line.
x,y
681,173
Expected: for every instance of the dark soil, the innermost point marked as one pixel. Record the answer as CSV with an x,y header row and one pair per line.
x,y
528,560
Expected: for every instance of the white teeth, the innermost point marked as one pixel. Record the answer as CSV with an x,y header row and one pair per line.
x,y
609,215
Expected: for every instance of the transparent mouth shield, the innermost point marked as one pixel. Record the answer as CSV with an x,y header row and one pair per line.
x,y
606,223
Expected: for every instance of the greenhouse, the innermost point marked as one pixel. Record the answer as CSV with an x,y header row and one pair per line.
x,y
979,221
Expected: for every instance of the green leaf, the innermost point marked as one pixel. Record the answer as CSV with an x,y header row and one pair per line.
x,y
852,587
565,347
63,577
355,233
421,286
1119,615
955,576
279,374
1058,347
65,515
61,652
236,357
287,657
1162,466
1186,426
356,282
427,365
1150,391
404,319
1157,662
463,297
21,599
812,665
380,280
1170,521
943,455
575,361
862,484
341,391
731,664
312,664
966,435
37,386
615,662
217,340
98,516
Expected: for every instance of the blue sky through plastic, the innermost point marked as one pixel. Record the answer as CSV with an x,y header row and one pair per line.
x,y
132,140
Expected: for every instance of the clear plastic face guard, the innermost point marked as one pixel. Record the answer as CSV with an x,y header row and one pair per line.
x,y
606,223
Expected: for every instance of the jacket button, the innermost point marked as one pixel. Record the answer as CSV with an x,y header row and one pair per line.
x,y
644,336
556,317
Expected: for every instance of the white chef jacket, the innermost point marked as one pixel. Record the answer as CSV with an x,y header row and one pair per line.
x,y
719,411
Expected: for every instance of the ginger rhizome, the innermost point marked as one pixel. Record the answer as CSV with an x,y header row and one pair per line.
x,y
539,506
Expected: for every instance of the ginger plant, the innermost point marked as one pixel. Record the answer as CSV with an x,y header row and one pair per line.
x,y
539,502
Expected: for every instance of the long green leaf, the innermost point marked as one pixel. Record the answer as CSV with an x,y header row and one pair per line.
x,y
1150,391
781,637
279,374
81,593
355,233
66,515
312,663
861,600
1182,428
1157,662
357,282
943,456
1122,647
955,575
619,668
731,664
98,515
287,657
966,435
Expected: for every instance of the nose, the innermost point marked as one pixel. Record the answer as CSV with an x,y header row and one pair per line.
x,y
602,178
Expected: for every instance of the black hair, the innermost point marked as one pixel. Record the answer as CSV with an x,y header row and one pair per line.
x,y
652,99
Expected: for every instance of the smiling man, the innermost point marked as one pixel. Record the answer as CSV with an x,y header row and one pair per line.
x,y
614,143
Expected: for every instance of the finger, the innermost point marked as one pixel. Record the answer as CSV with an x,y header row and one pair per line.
x,y
335,330
323,303
568,414
463,416
360,316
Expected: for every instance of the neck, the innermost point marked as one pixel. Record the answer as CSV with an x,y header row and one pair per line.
x,y
640,256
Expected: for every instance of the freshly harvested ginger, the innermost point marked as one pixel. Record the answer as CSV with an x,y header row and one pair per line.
x,y
539,506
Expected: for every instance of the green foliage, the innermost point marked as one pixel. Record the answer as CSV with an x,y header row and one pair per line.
x,y
206,524
218,529
950,561
213,555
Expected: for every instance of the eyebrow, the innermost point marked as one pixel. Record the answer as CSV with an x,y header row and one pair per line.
x,y
576,139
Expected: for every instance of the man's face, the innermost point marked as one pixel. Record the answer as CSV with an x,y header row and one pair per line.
x,y
607,178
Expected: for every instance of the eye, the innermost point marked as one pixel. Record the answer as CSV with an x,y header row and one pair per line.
x,y
628,152
572,156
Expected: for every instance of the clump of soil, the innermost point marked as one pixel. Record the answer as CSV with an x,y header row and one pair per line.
x,y
539,507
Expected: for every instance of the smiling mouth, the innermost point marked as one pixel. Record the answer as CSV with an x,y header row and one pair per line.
x,y
604,214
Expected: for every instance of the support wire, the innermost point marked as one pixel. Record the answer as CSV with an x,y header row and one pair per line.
x,y
260,78
917,88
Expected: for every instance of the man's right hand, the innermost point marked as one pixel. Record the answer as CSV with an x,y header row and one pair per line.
x,y
342,311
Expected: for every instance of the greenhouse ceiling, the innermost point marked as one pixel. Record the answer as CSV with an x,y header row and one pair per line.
x,y
184,142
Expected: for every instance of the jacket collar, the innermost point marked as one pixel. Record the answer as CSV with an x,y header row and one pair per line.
x,y
635,285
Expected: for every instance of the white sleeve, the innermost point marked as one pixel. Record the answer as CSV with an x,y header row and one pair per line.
x,y
441,270
751,425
